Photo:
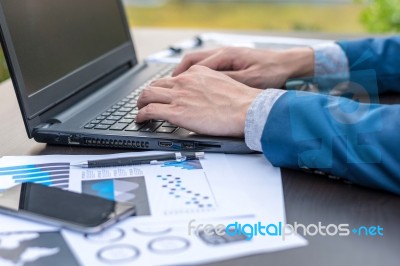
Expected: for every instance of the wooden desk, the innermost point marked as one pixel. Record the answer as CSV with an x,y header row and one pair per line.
x,y
308,198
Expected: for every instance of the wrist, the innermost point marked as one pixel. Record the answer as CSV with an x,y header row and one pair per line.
x,y
300,62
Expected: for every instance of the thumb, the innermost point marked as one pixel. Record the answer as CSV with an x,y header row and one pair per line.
x,y
236,75
191,59
217,61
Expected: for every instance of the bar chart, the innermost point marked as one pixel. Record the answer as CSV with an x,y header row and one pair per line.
x,y
49,174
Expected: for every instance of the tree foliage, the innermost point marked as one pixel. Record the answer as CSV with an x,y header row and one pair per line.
x,y
381,16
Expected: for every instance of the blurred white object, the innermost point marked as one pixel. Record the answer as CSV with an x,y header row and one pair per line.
x,y
144,2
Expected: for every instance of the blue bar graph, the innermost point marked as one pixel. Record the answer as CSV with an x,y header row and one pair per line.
x,y
50,174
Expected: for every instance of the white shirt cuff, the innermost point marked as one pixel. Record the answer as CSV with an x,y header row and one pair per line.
x,y
331,66
257,116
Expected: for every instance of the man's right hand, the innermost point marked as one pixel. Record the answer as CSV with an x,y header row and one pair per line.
x,y
258,68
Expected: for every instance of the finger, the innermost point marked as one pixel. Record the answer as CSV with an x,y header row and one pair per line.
x,y
163,83
154,95
218,61
190,60
155,111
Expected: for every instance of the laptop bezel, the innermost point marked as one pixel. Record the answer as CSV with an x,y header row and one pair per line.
x,y
50,96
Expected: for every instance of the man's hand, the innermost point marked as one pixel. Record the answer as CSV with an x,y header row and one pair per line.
x,y
258,68
200,100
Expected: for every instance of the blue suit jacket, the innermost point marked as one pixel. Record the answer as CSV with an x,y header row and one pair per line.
x,y
340,136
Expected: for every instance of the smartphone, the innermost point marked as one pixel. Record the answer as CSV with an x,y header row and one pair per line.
x,y
62,208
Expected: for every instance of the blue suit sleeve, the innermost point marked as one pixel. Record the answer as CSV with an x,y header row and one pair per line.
x,y
342,137
379,54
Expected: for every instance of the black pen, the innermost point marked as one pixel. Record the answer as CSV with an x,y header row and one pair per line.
x,y
198,41
146,159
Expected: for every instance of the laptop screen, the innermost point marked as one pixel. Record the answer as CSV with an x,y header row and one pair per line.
x,y
63,49
53,38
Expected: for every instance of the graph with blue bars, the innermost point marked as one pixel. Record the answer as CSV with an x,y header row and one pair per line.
x,y
49,174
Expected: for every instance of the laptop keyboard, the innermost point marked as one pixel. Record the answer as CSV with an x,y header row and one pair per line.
x,y
121,116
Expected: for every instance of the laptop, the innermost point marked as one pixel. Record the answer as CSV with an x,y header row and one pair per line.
x,y
77,78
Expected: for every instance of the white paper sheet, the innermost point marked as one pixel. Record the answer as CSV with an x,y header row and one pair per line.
x,y
231,188
176,189
215,40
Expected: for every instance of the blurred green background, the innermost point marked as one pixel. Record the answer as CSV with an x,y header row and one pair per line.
x,y
336,16
261,15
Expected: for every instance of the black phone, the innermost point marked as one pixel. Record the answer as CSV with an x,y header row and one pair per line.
x,y
62,208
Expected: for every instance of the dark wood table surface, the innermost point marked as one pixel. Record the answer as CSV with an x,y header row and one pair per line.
x,y
309,198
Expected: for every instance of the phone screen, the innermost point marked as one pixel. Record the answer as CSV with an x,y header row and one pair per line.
x,y
61,205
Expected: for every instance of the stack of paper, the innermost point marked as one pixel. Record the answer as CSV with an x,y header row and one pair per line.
x,y
180,206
